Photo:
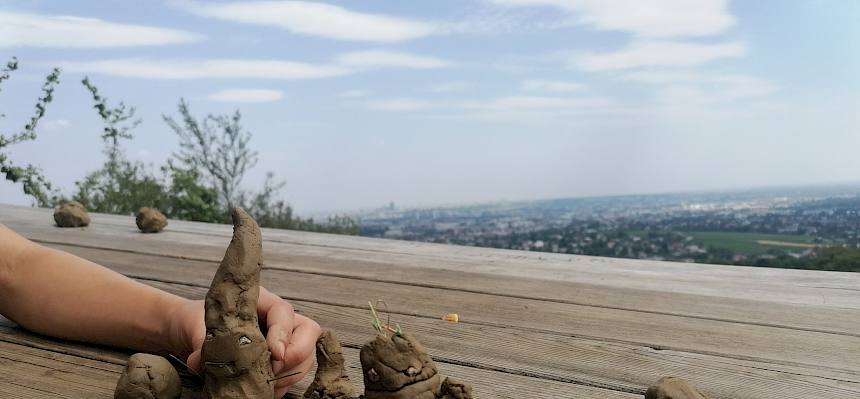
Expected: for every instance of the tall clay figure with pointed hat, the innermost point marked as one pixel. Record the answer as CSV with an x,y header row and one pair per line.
x,y
236,358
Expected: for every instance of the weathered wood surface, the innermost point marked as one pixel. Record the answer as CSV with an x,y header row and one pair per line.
x,y
533,325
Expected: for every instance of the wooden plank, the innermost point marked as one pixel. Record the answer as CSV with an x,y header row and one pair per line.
x,y
806,317
843,379
740,341
775,285
49,374
585,362
52,372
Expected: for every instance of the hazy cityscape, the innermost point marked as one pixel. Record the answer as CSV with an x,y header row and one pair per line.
x,y
807,227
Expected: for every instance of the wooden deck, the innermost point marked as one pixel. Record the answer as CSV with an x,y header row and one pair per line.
x,y
533,325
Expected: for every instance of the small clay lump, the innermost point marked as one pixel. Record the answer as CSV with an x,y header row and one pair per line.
x,y
150,220
71,214
148,377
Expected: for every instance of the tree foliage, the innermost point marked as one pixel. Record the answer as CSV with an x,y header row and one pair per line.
x,y
217,148
119,186
200,182
32,179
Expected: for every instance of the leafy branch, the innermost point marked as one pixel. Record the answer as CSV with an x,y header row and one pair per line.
x,y
118,121
33,181
217,147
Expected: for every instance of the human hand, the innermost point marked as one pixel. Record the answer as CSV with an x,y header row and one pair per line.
x,y
291,337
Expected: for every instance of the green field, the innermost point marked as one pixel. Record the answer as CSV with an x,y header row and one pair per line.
x,y
752,243
745,243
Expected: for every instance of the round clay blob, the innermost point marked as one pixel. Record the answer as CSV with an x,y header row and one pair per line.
x,y
71,214
150,220
148,377
673,388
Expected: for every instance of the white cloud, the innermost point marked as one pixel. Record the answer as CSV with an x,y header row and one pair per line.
x,y
315,19
539,102
662,76
715,90
247,95
56,124
552,86
448,87
742,86
400,104
380,58
345,64
202,69
658,54
510,103
353,93
644,18
694,87
56,31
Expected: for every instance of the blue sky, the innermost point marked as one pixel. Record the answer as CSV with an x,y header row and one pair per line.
x,y
356,104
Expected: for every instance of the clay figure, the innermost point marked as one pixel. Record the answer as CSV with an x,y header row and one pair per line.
x,y
71,214
148,377
394,366
673,388
453,389
236,360
150,220
397,366
330,381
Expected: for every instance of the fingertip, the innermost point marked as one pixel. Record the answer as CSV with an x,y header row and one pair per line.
x,y
193,360
279,351
277,367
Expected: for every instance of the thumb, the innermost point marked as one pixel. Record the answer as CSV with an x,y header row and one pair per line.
x,y
194,360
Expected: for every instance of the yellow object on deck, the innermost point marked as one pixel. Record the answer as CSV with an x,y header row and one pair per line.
x,y
452,317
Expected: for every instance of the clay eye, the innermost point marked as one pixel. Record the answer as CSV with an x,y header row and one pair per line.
x,y
243,340
372,375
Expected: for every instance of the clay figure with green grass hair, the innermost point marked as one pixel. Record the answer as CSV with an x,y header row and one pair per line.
x,y
394,366
236,360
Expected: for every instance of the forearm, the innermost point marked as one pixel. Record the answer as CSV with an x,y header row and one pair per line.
x,y
61,295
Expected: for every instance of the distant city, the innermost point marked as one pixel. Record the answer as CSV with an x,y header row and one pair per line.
x,y
803,227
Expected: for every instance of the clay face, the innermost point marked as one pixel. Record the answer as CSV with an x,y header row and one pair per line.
x,y
397,366
236,357
148,377
71,214
150,220
673,388
330,381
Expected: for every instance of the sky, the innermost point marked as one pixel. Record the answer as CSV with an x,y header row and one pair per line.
x,y
357,104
